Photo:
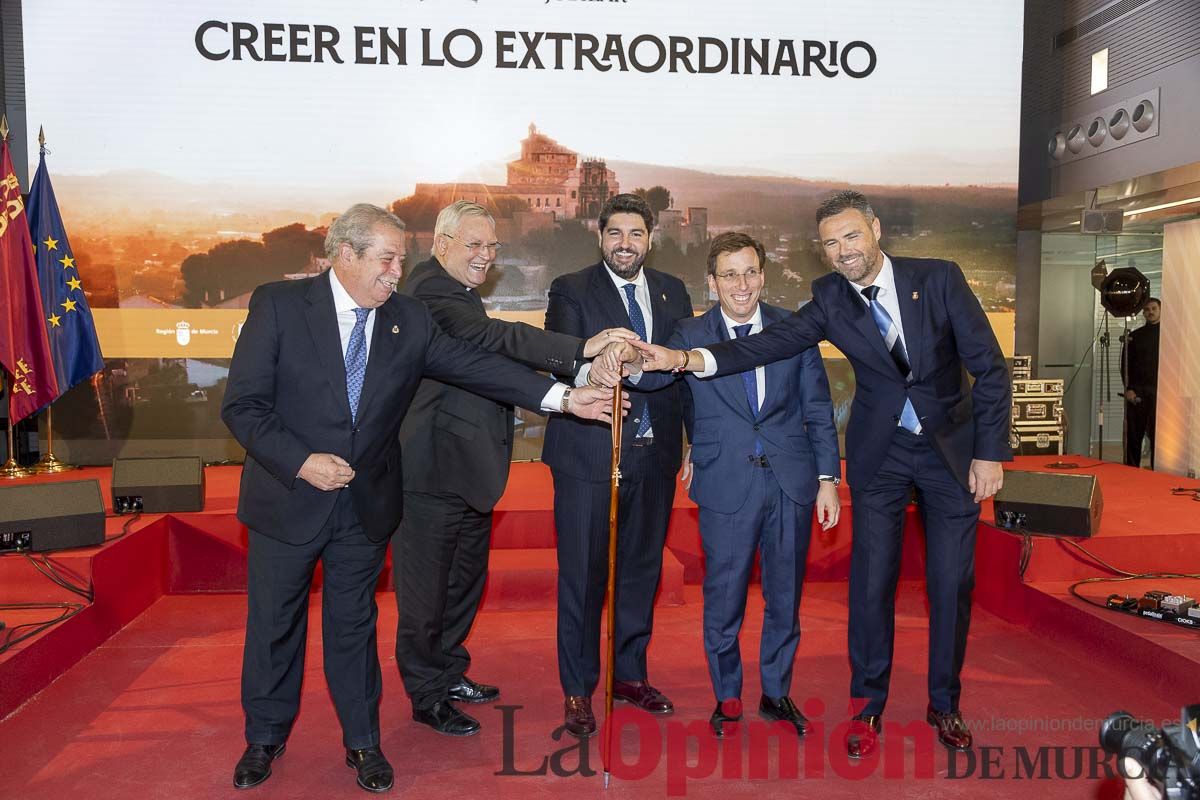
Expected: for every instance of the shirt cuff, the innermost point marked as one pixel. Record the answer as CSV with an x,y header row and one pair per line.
x,y
552,402
710,363
581,377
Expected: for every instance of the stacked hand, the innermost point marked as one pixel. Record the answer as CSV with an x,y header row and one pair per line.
x,y
618,360
605,339
591,402
656,358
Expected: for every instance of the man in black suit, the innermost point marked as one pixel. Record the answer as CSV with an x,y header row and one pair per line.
x,y
617,292
322,375
913,330
1139,370
457,448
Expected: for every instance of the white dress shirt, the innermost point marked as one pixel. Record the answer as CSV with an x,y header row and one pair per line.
x,y
760,373
344,305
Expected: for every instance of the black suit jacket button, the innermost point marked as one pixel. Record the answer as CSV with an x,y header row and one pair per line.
x,y
895,418
756,427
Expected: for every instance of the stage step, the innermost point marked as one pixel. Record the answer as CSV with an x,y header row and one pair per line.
x,y
527,578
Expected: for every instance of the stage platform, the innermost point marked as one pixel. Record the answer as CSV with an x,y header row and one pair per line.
x,y
176,581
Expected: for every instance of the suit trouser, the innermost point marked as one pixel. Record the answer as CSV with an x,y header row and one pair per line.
x,y
1139,424
278,582
581,520
950,515
779,529
441,558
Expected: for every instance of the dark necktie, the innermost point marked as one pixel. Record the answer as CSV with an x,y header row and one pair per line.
x,y
891,340
638,323
356,360
750,382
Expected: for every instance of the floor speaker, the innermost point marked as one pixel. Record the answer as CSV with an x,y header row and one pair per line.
x,y
1049,503
51,516
158,485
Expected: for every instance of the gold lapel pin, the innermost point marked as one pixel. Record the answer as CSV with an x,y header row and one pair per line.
x,y
396,328
916,295
664,297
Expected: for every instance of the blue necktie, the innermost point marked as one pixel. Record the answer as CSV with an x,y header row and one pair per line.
x,y
750,381
638,323
891,339
356,360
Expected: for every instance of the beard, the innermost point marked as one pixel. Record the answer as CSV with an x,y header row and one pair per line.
x,y
627,272
855,272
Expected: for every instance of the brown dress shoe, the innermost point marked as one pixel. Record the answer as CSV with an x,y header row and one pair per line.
x,y
642,695
579,720
951,730
862,738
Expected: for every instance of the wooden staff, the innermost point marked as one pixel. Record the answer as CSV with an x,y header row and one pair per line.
x,y
617,423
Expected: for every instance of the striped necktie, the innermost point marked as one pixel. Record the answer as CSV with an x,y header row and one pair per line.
x,y
891,340
638,323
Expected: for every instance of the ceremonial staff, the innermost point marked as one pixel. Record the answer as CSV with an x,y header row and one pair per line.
x,y
613,503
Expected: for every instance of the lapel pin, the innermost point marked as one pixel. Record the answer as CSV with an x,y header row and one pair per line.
x,y
664,297
916,295
396,328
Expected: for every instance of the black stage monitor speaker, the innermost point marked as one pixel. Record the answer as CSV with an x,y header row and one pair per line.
x,y
1049,503
158,485
51,516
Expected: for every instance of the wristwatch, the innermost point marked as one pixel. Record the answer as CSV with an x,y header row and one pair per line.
x,y
566,402
836,481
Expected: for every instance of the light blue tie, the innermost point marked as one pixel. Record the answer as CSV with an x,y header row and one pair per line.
x,y
891,339
638,323
750,381
356,360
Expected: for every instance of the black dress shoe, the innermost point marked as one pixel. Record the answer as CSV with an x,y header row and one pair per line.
x,y
578,718
782,709
725,718
374,772
444,718
862,737
951,730
468,691
642,695
254,766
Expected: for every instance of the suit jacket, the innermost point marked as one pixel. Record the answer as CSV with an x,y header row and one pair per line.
x,y
286,399
454,440
582,304
946,335
1139,361
794,424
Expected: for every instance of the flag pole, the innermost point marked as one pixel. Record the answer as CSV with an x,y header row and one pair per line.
x,y
49,463
11,470
617,424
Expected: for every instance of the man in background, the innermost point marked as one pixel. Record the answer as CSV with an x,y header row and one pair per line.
x,y
1139,371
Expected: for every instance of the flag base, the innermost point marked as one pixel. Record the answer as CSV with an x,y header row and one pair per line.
x,y
50,465
11,471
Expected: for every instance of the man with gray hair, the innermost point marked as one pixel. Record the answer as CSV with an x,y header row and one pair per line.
x,y
457,448
323,373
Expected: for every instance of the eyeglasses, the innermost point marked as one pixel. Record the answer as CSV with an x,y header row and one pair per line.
x,y
477,247
732,277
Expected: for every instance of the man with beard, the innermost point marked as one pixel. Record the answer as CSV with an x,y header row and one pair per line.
x,y
616,293
457,448
912,330
1139,370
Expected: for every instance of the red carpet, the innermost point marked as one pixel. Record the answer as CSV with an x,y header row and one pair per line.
x,y
147,701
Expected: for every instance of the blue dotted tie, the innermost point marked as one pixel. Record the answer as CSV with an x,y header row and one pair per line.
x,y
638,323
750,381
891,339
356,360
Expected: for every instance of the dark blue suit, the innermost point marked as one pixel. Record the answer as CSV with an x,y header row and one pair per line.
x,y
579,454
745,507
947,335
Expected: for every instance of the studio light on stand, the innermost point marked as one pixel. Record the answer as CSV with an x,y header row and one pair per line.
x,y
1123,293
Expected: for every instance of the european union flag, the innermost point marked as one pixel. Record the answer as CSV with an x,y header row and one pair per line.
x,y
74,348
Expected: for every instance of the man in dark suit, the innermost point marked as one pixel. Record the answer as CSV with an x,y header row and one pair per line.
x,y
1139,370
764,450
617,292
457,448
912,329
322,375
